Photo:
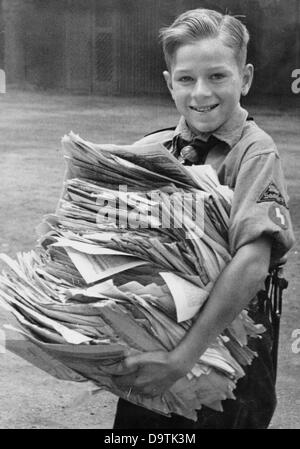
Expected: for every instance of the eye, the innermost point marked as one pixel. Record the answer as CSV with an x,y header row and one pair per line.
x,y
185,79
218,76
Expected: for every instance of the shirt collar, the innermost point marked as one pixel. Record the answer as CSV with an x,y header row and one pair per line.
x,y
230,132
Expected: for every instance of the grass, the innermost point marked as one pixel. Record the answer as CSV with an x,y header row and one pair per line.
x,y
32,167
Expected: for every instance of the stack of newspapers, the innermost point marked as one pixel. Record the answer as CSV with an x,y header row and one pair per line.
x,y
125,265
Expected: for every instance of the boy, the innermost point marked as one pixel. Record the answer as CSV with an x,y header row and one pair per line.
x,y
205,53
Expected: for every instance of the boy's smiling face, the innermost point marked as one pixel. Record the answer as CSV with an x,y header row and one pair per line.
x,y
206,83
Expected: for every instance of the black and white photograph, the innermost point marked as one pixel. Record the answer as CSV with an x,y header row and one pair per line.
x,y
150,217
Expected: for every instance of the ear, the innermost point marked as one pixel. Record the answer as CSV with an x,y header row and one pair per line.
x,y
248,72
168,79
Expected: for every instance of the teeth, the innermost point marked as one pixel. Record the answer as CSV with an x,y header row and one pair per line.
x,y
208,108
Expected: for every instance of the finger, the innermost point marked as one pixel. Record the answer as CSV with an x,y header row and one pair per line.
x,y
134,361
124,382
116,368
131,351
122,369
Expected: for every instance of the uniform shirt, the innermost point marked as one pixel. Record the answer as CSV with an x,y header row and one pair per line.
x,y
246,160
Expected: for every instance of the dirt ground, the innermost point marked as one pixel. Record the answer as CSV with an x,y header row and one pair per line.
x,y
31,126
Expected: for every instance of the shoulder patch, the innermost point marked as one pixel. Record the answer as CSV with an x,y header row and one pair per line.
x,y
272,193
278,215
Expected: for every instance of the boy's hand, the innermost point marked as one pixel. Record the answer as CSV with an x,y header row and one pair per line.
x,y
149,373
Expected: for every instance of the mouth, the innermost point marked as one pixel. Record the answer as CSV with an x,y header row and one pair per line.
x,y
204,108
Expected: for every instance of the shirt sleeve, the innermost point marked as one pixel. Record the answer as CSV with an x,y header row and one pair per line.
x,y
260,205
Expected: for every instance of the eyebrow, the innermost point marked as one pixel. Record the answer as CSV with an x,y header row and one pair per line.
x,y
218,67
182,70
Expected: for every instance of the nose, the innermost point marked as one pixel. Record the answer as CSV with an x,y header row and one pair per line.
x,y
201,89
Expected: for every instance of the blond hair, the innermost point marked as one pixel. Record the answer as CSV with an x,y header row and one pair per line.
x,y
201,23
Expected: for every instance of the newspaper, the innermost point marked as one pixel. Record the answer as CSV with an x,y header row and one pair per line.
x,y
123,267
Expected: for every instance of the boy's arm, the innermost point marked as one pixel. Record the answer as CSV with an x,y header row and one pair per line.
x,y
154,372
236,286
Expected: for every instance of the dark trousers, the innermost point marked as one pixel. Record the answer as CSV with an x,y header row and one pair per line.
x,y
253,408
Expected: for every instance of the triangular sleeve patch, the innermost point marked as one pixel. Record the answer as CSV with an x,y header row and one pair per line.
x,y
272,193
